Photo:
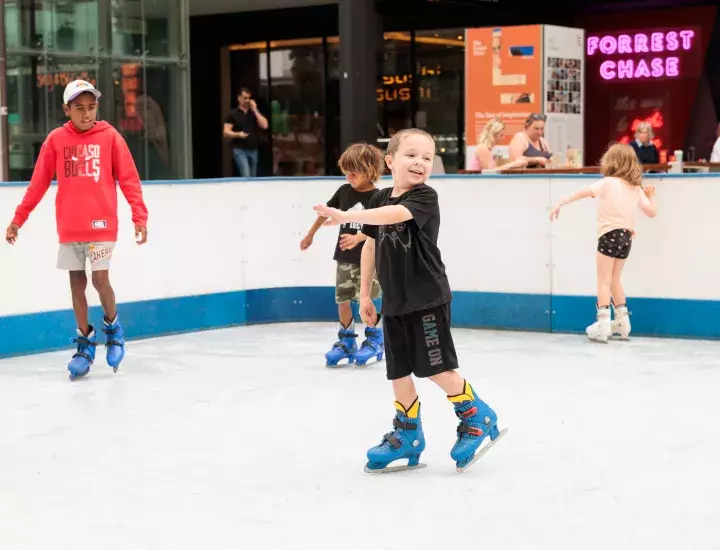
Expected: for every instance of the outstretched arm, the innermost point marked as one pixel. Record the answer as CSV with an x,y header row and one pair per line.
x,y
584,193
647,201
39,183
308,239
385,215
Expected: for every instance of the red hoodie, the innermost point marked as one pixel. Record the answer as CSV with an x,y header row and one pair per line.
x,y
87,165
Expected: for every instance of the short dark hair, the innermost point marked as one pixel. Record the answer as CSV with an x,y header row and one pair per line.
x,y
244,89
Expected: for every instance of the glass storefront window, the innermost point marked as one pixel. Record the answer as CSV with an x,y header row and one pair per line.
x,y
332,107
440,64
134,52
394,86
120,107
26,23
27,112
127,28
163,93
164,35
297,76
73,27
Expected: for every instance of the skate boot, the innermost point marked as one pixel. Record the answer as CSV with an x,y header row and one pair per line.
x,y
621,323
405,441
373,346
80,363
601,329
114,341
344,348
477,421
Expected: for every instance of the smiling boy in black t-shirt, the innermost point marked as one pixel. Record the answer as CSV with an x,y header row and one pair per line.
x,y
402,226
362,165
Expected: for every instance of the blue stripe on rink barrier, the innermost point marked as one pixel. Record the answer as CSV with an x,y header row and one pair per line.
x,y
52,330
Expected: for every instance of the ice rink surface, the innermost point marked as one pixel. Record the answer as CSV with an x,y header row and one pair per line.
x,y
242,439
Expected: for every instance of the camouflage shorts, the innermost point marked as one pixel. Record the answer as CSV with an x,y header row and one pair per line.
x,y
347,283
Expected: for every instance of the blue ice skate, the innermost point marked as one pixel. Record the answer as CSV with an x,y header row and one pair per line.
x,y
114,342
344,348
80,363
405,441
477,421
373,346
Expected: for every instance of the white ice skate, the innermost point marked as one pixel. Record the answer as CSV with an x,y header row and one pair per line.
x,y
621,323
601,329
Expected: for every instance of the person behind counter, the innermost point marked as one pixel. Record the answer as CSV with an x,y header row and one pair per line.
x,y
644,148
531,144
483,158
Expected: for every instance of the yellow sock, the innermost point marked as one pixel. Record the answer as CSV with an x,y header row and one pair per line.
x,y
466,395
412,411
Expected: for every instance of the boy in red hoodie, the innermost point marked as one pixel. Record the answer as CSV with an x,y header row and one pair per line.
x,y
88,158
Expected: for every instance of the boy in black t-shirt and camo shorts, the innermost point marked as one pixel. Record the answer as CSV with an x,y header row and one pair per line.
x,y
362,165
402,226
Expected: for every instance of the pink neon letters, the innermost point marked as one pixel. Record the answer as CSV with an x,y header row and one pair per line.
x,y
638,44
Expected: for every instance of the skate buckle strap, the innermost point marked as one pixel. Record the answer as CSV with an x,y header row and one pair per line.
x,y
342,346
469,412
346,334
404,425
112,331
471,430
368,344
390,438
83,341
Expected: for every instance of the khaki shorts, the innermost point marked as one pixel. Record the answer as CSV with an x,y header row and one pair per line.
x,y
347,283
74,256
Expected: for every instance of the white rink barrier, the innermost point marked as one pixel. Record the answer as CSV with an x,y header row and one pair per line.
x,y
226,252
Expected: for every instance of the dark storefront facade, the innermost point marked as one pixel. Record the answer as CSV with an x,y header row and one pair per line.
x,y
291,60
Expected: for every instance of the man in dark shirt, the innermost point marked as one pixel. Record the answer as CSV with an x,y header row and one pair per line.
x,y
402,226
243,127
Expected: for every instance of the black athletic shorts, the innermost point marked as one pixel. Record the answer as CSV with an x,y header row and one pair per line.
x,y
419,343
615,243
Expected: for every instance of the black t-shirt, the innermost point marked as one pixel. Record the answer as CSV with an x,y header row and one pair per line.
x,y
346,198
244,122
407,259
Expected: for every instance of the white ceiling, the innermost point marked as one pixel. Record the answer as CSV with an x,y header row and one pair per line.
x,y
210,7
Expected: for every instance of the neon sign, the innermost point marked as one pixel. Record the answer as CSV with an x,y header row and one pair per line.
x,y
662,44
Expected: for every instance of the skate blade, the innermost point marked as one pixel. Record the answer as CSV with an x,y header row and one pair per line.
x,y
395,469
598,341
341,365
373,361
482,451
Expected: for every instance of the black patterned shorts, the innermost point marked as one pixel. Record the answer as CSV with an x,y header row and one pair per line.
x,y
616,243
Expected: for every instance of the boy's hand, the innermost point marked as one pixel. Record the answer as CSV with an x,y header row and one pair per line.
x,y
555,212
12,233
368,313
335,216
140,232
348,242
306,242
649,190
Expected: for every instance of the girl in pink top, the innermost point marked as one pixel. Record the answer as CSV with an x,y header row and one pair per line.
x,y
618,194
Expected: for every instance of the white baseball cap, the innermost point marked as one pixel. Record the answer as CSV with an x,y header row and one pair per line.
x,y
78,87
